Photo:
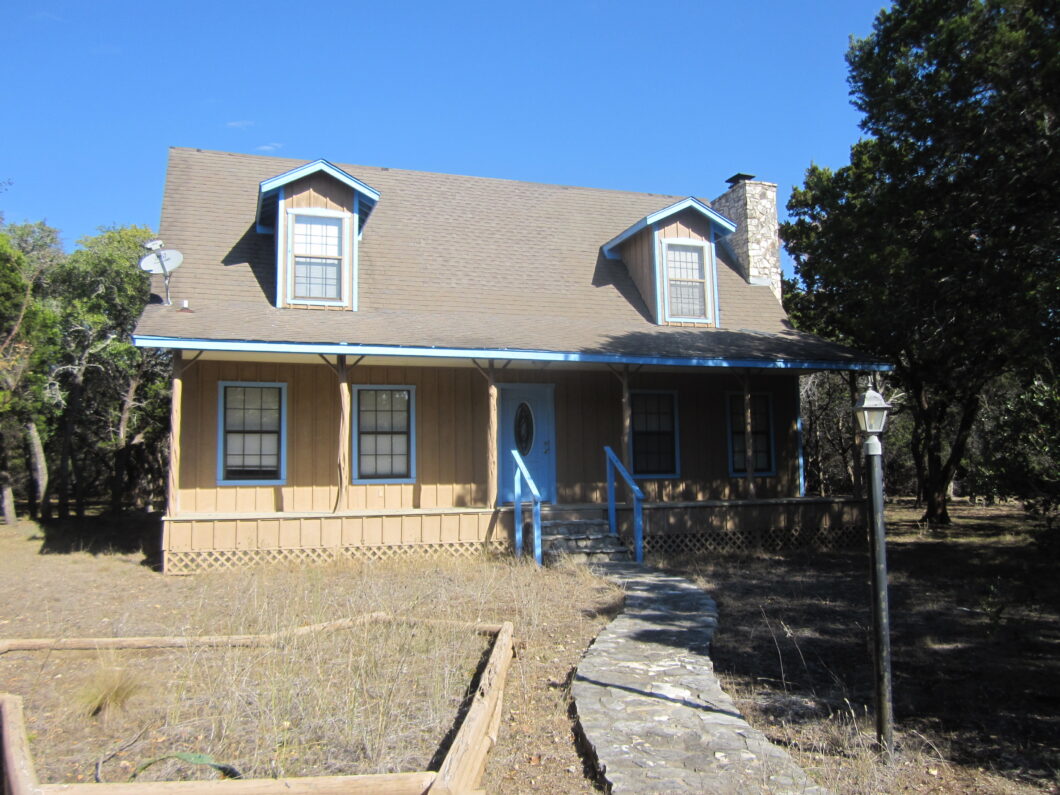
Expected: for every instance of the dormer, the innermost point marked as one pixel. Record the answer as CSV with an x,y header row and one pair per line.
x,y
317,213
670,255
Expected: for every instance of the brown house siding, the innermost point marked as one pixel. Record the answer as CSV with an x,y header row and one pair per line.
x,y
451,420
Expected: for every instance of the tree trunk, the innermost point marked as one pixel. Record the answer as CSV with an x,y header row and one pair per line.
x,y
7,495
37,466
70,416
940,470
119,477
857,475
7,492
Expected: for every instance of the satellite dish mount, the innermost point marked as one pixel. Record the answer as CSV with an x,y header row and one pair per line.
x,y
161,261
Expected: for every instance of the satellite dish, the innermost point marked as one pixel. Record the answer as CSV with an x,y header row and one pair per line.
x,y
162,262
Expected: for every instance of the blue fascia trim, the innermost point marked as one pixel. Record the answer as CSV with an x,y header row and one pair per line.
x,y
311,168
280,481
772,471
691,203
355,392
333,348
677,435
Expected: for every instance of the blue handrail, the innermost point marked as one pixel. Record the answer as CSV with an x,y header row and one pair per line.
x,y
614,463
535,498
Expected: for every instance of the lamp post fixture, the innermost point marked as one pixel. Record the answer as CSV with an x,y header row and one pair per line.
x,y
871,413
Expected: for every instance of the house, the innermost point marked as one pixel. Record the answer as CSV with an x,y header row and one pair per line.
x,y
363,356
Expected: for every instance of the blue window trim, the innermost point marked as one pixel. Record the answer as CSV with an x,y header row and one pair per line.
x,y
355,394
714,273
709,283
677,435
798,436
221,480
772,471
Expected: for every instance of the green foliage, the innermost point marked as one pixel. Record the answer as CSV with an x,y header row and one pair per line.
x,y
937,246
1018,451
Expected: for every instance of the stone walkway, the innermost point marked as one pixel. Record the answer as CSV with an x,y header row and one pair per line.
x,y
652,710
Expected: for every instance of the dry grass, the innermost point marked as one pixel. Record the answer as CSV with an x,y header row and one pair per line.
x,y
109,689
975,616
376,698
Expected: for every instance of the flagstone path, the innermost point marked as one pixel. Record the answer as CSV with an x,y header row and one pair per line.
x,y
652,711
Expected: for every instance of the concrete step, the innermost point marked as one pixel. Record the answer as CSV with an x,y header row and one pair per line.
x,y
582,541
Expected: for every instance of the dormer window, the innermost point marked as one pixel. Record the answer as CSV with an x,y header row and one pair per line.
x,y
318,256
688,294
670,256
316,214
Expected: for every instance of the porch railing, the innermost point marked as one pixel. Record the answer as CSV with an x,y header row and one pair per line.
x,y
535,499
613,465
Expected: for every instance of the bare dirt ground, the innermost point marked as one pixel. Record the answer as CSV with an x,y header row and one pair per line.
x,y
263,711
975,614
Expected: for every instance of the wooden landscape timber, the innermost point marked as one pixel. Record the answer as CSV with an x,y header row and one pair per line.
x,y
461,770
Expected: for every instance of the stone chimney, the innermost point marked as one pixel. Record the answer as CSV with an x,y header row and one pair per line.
x,y
755,245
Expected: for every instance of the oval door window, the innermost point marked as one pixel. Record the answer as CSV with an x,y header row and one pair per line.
x,y
524,429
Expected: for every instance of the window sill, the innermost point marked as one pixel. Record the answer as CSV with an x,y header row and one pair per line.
x,y
281,482
383,481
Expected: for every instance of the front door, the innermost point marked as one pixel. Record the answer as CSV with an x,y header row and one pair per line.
x,y
527,425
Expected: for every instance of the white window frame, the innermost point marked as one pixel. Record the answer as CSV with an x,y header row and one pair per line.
x,y
355,441
707,251
345,264
222,478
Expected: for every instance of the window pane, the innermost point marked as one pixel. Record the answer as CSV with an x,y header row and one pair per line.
x,y
684,262
654,442
761,434
317,237
252,425
316,278
383,427
688,299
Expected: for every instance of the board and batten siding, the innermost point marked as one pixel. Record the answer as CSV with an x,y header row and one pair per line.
x,y
451,420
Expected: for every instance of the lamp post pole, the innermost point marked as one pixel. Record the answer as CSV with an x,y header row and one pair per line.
x,y
871,414
881,621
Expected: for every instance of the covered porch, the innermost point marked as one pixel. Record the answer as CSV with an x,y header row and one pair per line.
x,y
682,432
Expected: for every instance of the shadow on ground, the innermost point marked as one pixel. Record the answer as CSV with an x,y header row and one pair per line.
x,y
975,614
124,533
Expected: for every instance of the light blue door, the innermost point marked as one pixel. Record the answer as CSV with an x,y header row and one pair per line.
x,y
527,424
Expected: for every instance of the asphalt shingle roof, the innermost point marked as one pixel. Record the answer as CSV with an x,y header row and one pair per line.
x,y
452,262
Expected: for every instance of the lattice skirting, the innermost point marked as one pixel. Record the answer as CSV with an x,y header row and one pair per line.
x,y
735,541
190,561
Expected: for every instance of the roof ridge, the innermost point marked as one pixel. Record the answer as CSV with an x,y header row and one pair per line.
x,y
415,172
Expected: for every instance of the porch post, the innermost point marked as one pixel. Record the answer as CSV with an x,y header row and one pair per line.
x,y
491,441
748,439
173,479
627,419
344,433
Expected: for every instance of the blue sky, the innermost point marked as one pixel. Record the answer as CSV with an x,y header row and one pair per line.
x,y
672,97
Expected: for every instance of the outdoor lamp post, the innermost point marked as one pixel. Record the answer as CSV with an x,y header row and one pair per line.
x,y
871,413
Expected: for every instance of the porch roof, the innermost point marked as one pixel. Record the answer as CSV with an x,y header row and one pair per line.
x,y
792,350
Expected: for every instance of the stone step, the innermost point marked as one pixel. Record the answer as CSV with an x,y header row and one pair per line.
x,y
575,526
561,512
587,556
582,541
